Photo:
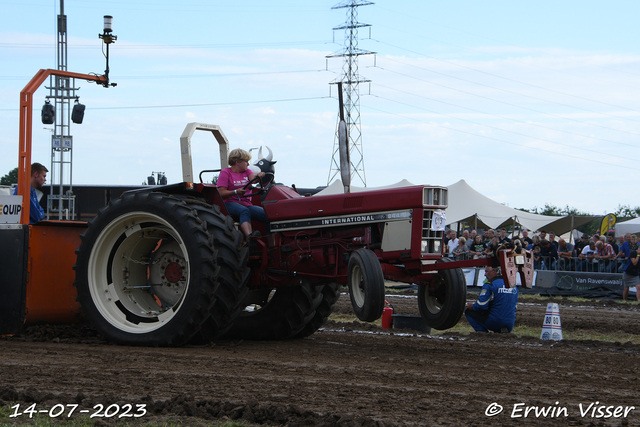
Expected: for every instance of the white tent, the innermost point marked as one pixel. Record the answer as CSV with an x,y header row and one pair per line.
x,y
632,226
468,205
337,188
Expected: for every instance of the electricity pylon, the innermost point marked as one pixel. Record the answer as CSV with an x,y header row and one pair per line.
x,y
351,92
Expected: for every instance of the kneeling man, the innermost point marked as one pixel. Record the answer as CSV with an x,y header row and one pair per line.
x,y
495,309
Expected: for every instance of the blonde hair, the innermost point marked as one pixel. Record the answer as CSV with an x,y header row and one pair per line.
x,y
237,155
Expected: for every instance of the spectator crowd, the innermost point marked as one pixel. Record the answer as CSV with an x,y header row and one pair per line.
x,y
594,253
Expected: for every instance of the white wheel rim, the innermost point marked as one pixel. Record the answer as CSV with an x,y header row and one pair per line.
x,y
356,290
123,282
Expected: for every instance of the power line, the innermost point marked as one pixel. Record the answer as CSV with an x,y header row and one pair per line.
x,y
526,84
194,76
495,100
508,131
491,39
599,162
141,107
190,76
210,104
126,46
508,118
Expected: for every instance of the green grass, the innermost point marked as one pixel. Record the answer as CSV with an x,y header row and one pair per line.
x,y
463,328
388,290
538,298
559,299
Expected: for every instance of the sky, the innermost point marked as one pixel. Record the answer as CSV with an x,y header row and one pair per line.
x,y
531,103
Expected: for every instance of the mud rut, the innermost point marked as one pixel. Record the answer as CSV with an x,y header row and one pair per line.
x,y
347,374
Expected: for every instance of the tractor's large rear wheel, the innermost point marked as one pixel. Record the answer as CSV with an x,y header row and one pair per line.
x,y
442,302
276,314
233,275
146,271
330,294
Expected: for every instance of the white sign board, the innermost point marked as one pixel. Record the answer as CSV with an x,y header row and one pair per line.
x,y
439,220
61,142
10,209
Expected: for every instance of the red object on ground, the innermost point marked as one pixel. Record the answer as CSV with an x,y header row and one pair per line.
x,y
387,313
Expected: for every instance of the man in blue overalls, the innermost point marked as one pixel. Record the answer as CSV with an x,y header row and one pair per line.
x,y
38,178
495,309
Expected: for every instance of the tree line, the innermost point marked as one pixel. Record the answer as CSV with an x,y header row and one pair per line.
x,y
622,213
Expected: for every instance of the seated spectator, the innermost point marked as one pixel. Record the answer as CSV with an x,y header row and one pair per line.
x,y
588,260
503,236
538,263
615,261
447,233
471,239
461,251
607,255
477,247
490,234
492,247
566,256
579,246
453,243
549,254
611,239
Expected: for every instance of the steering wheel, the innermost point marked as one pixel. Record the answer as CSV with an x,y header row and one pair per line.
x,y
261,188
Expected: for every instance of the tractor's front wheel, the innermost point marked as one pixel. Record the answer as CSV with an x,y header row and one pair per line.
x,y
442,302
146,271
366,285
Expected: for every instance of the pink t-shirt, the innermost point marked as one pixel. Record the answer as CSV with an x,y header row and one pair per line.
x,y
233,181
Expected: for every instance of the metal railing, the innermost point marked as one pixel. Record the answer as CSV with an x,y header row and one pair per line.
x,y
561,264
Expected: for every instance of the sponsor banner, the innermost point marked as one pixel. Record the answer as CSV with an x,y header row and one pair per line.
x,y
589,285
10,209
341,220
564,283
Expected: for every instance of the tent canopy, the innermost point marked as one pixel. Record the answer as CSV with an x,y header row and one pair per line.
x,y
632,226
468,205
336,187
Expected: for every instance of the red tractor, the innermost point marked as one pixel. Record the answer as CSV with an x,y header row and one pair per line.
x,y
166,265
159,266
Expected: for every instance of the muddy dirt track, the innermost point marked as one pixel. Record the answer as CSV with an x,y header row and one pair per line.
x,y
347,374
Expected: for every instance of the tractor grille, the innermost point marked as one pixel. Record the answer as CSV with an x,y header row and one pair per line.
x,y
435,196
431,240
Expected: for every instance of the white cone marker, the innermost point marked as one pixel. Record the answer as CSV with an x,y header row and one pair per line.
x,y
552,328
